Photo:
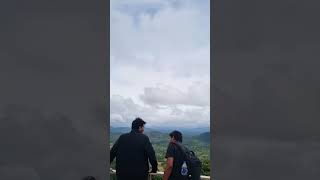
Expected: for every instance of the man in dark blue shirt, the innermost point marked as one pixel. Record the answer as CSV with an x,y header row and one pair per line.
x,y
175,159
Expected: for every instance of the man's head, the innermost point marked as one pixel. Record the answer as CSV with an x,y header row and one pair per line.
x,y
138,125
176,136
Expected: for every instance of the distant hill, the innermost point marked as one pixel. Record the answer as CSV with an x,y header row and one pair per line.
x,y
120,129
188,131
205,137
127,129
162,135
167,130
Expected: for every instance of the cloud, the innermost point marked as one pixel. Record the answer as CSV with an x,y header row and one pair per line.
x,y
124,110
160,59
174,38
194,95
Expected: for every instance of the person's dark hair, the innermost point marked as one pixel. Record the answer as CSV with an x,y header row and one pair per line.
x,y
177,135
138,122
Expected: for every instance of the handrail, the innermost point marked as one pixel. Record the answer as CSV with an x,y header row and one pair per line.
x,y
112,171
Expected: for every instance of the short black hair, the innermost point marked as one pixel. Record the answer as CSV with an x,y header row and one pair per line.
x,y
138,122
177,135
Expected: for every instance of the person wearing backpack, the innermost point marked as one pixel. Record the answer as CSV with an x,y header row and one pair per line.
x,y
182,164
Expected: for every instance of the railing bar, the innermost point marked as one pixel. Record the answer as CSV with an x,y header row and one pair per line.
x,y
160,173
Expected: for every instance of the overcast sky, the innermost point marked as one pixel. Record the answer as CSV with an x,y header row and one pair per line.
x,y
160,57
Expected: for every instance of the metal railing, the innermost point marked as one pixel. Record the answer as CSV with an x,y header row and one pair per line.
x,y
160,174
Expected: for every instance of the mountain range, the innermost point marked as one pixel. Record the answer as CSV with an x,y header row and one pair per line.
x,y
185,131
201,134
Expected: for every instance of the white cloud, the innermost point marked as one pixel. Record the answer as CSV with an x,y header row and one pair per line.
x,y
195,95
124,110
160,56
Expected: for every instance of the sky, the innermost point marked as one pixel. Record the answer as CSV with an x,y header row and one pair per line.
x,y
160,62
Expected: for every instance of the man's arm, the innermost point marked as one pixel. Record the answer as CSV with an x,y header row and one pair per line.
x,y
114,151
168,168
152,156
170,158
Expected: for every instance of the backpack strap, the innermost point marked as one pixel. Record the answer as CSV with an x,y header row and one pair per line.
x,y
181,148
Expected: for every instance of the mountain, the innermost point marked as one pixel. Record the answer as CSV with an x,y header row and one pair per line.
x,y
127,129
165,130
119,129
204,137
185,131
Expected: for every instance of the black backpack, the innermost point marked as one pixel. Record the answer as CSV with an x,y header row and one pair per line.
x,y
193,162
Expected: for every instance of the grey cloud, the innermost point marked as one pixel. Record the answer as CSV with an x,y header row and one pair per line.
x,y
158,96
124,110
196,95
153,36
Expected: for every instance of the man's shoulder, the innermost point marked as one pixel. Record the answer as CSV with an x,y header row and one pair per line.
x,y
171,150
136,135
143,136
124,135
172,145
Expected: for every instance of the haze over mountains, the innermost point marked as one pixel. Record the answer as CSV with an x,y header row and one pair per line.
x,y
186,131
201,134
